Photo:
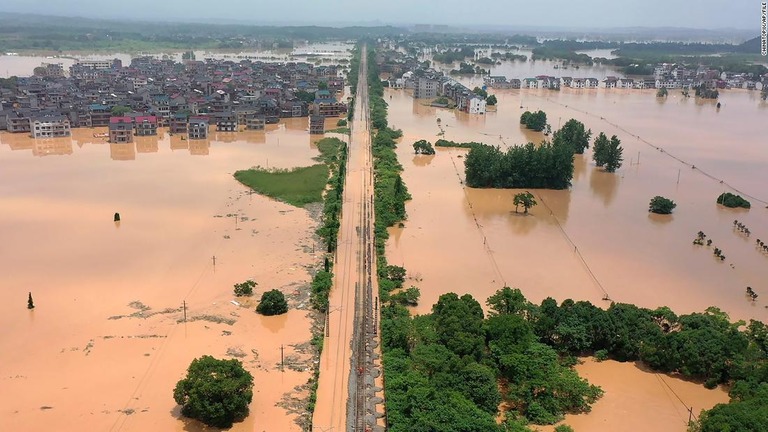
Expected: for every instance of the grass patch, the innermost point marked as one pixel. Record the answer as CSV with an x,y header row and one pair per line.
x,y
298,186
339,130
446,143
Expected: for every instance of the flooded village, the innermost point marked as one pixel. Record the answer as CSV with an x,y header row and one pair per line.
x,y
122,307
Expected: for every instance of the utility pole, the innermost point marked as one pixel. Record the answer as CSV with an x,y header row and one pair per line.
x,y
282,359
678,176
690,414
184,306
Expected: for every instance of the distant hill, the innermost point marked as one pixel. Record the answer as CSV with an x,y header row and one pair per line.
x,y
751,46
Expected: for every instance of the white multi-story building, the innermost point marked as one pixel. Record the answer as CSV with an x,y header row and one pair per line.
x,y
50,127
477,105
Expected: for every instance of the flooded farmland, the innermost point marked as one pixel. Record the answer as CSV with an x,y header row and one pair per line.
x,y
107,340
596,240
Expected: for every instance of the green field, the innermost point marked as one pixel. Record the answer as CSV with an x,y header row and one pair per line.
x,y
298,186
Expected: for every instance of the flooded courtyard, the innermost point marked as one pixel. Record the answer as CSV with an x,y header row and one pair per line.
x,y
108,339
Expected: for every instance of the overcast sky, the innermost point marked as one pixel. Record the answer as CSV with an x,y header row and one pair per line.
x,y
702,14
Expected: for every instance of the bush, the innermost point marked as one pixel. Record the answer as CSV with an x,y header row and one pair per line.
x,y
244,288
563,428
661,205
730,200
601,355
272,303
216,392
341,123
407,297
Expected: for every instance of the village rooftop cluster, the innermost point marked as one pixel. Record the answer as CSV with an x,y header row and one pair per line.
x,y
187,98
427,83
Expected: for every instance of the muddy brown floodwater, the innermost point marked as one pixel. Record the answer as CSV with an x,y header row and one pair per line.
x,y
104,346
637,399
596,239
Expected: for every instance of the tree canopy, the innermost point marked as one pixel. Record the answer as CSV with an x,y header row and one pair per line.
x,y
732,201
608,153
536,121
244,288
573,133
661,205
525,199
216,392
272,303
549,165
423,147
120,110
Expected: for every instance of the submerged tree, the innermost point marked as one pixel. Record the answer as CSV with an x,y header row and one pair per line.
x,y
30,303
536,121
244,288
574,134
272,303
216,392
423,147
608,153
525,199
661,205
662,92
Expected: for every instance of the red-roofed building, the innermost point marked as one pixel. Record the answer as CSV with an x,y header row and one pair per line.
x,y
145,125
120,129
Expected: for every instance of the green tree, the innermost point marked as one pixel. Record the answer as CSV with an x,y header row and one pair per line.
x,y
563,428
574,134
407,297
216,392
480,92
341,123
491,100
305,96
730,200
661,205
608,153
120,110
600,149
509,301
536,121
662,92
764,92
244,288
272,303
322,85
525,199
423,147
459,324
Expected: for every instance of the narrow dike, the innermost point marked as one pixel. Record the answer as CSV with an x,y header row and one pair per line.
x,y
390,195
322,281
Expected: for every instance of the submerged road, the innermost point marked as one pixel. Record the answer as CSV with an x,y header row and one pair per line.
x,y
345,386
